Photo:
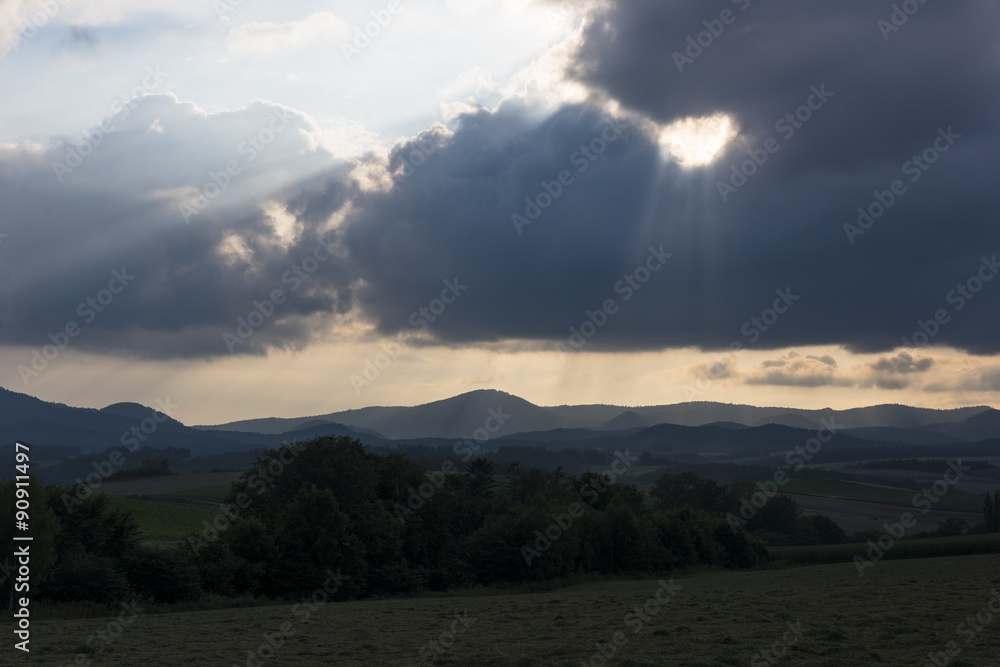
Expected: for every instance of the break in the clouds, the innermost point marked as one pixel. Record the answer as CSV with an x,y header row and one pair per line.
x,y
849,199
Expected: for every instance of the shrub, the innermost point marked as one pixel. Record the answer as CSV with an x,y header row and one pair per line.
x,y
80,576
161,576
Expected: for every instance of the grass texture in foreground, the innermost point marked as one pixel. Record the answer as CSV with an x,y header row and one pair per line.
x,y
897,614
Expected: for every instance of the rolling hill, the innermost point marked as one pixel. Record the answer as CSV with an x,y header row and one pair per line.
x,y
460,415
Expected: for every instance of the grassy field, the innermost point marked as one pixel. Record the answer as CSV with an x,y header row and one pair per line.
x,y
878,493
897,614
161,521
855,515
190,484
923,548
216,493
196,491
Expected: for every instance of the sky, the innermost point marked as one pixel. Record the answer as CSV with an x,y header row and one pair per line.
x,y
261,209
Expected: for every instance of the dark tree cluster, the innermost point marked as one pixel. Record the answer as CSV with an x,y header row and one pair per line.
x,y
381,525
87,551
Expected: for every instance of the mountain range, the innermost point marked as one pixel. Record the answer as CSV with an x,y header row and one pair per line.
x,y
460,415
704,428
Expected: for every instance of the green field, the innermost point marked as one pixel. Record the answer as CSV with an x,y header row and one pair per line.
x,y
897,614
217,493
161,521
878,493
922,548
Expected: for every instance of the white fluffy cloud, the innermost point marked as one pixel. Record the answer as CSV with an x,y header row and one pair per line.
x,y
265,39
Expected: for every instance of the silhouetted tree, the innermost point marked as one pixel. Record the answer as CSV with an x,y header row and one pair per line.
x,y
991,512
674,491
779,515
44,528
482,483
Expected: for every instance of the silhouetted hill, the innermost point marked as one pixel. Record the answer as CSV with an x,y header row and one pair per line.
x,y
916,436
440,423
627,419
981,426
562,435
53,425
319,428
699,413
460,415
977,427
135,412
730,425
904,416
362,418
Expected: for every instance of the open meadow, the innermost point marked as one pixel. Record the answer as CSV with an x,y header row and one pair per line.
x,y
828,615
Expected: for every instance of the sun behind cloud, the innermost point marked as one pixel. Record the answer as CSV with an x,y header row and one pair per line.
x,y
696,142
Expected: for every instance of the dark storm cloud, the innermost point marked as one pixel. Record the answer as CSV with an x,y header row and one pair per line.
x,y
118,210
924,91
606,200
937,69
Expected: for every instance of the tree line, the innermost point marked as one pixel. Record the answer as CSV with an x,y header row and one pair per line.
x,y
385,525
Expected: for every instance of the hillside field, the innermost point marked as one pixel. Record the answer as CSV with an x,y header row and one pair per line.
x,y
162,521
897,614
880,493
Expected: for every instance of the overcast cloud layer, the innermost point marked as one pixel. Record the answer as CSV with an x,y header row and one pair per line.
x,y
388,231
